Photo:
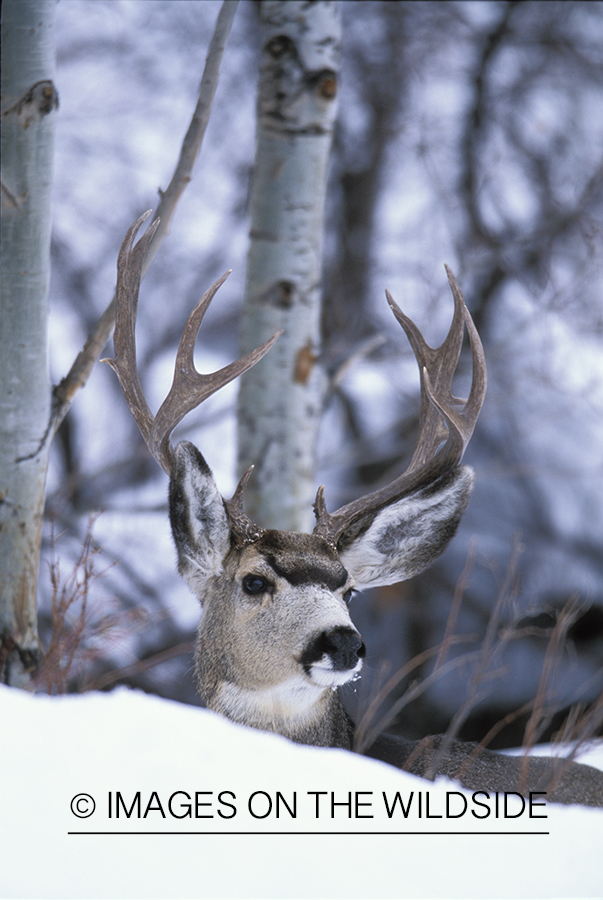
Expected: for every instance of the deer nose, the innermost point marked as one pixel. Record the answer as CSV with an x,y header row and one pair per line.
x,y
344,646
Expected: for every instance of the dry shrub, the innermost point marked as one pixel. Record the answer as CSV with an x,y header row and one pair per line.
x,y
82,630
582,723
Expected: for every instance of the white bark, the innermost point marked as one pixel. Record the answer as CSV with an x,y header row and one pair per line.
x,y
280,400
28,102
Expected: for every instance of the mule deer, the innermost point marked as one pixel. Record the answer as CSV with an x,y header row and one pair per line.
x,y
276,639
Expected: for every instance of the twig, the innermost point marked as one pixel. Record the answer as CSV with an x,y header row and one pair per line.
x,y
367,731
368,727
356,355
543,710
455,607
76,378
193,138
542,713
491,649
141,665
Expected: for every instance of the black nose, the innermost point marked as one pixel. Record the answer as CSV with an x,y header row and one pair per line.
x,y
343,645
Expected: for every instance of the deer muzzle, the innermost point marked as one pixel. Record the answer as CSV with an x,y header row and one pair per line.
x,y
334,657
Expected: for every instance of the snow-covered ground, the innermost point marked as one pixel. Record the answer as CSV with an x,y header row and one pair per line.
x,y
260,826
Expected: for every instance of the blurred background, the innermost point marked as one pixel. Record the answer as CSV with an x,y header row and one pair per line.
x,y
469,133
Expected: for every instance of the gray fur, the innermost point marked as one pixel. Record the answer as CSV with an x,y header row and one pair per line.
x,y
403,539
198,518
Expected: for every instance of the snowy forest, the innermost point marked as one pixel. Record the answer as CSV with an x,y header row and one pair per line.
x,y
468,134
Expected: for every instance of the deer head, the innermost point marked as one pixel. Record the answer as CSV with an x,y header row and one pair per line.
x,y
276,636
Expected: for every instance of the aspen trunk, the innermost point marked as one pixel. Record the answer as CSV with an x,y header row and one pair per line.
x,y
280,400
28,101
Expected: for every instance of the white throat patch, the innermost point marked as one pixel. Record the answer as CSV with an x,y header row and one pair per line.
x,y
290,700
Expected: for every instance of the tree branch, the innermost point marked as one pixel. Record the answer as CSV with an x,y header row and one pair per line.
x,y
87,358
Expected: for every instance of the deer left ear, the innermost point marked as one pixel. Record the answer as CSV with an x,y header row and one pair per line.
x,y
198,518
403,539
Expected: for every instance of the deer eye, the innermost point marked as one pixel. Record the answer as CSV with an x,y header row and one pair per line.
x,y
255,584
348,595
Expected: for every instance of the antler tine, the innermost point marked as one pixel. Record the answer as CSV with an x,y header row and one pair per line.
x,y
129,268
189,387
434,366
440,418
244,530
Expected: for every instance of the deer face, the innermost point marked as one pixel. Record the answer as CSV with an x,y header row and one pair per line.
x,y
275,631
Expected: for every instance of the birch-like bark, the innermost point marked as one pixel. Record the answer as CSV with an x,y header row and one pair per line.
x,y
28,102
280,400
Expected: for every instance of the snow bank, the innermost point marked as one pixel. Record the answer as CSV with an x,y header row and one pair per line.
x,y
189,805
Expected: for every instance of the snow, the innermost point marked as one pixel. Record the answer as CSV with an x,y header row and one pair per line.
x,y
54,749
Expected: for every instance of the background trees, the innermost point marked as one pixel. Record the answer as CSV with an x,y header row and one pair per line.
x,y
468,133
29,102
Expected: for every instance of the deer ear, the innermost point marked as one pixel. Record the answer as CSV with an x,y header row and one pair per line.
x,y
198,518
403,539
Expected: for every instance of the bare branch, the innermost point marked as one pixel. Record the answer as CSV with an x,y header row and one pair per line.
x,y
193,138
86,359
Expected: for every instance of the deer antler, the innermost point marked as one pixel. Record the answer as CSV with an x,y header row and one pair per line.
x,y
189,388
440,421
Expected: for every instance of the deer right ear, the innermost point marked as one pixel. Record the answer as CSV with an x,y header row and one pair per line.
x,y
198,518
404,538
